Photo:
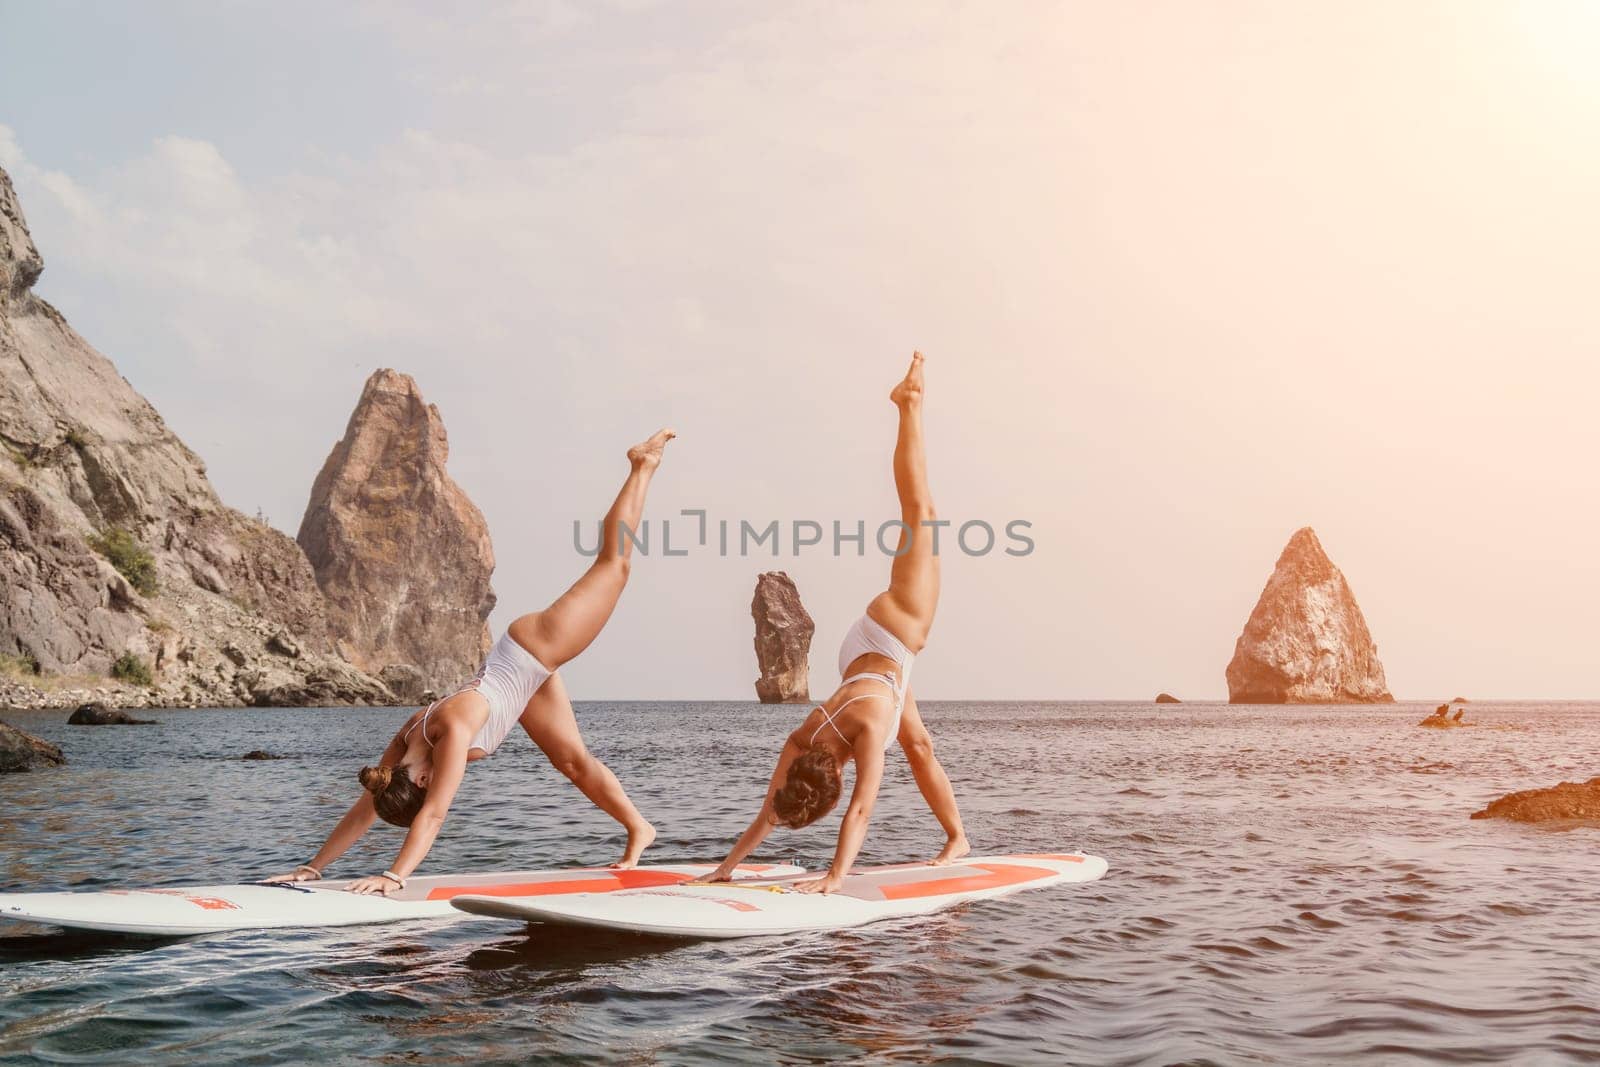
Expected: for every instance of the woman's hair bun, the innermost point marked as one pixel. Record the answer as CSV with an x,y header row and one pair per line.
x,y
395,797
810,791
376,779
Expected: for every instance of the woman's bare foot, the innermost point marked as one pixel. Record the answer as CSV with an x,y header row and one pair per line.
x,y
639,837
647,455
953,850
909,391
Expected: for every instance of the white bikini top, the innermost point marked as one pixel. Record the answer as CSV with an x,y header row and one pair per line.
x,y
867,636
896,695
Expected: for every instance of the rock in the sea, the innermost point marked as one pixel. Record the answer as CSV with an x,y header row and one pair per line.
x,y
1306,642
1167,698
21,751
783,640
401,553
1569,800
112,540
95,714
259,754
1441,719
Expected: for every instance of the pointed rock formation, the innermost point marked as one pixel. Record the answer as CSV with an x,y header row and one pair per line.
x,y
113,543
783,640
401,553
1306,642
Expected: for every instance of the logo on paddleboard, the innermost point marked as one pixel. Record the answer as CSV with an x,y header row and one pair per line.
x,y
208,903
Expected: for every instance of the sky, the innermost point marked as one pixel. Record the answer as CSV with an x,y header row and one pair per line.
x,y
1188,276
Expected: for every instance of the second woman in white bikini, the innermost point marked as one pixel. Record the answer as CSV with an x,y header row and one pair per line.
x,y
419,772
873,706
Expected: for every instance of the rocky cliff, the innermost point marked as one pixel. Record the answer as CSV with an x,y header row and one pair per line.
x,y
115,551
1306,642
401,553
783,640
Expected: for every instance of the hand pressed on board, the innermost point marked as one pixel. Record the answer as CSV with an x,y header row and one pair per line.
x,y
299,874
721,874
376,884
828,884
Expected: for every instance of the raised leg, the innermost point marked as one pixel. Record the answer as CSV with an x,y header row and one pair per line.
x,y
551,723
933,782
558,633
907,608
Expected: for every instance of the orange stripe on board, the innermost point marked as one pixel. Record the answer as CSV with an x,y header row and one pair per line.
x,y
1049,856
999,874
613,880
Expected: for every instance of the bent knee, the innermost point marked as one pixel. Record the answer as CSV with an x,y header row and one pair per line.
x,y
572,765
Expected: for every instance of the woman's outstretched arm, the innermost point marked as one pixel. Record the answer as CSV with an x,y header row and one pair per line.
x,y
868,747
357,821
449,767
765,819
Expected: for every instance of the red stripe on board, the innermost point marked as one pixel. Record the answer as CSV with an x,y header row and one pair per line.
x,y
999,874
611,881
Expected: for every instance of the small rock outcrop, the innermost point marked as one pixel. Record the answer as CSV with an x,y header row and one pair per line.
x,y
783,640
400,552
1306,642
20,751
259,754
1441,719
100,715
113,543
1167,698
1567,801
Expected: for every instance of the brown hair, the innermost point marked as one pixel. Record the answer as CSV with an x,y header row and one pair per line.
x,y
811,790
395,796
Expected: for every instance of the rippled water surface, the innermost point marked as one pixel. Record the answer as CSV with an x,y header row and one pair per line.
x,y
1287,885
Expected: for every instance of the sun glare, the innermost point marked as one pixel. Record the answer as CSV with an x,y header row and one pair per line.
x,y
1565,35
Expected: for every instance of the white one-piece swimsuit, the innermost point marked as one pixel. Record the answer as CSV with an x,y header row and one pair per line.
x,y
507,681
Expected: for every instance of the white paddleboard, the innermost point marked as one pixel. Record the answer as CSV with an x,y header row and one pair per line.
x,y
205,909
755,907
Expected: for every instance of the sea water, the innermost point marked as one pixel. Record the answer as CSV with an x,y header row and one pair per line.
x,y
1286,885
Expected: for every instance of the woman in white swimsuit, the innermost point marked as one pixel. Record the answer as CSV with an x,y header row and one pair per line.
x,y
873,706
418,774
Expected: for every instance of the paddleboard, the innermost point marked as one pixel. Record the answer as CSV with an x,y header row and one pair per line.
x,y
761,906
205,909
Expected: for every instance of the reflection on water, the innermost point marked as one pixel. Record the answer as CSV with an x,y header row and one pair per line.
x,y
1286,885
